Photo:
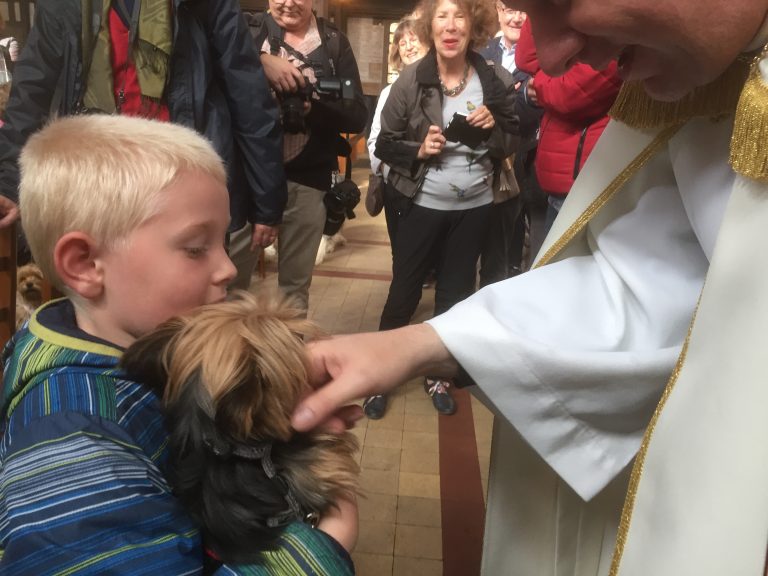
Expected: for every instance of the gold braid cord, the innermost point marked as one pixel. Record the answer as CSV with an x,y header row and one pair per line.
x,y
749,143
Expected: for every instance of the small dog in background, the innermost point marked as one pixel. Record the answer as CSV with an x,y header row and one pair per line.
x,y
230,375
29,292
327,245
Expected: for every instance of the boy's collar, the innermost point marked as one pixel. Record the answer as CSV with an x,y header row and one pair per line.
x,y
55,322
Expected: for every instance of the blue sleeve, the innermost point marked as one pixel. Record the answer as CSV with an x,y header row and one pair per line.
x,y
77,496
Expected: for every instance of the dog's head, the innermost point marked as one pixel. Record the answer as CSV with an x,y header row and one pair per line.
x,y
243,363
230,375
29,283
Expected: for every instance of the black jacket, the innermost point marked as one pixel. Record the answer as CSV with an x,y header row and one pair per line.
x,y
416,102
530,116
327,118
216,86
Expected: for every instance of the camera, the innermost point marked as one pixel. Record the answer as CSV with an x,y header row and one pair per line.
x,y
340,202
292,103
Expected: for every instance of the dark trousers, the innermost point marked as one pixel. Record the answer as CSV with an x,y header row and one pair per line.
x,y
502,255
449,242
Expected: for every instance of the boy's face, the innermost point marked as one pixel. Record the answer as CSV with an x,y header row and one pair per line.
x,y
172,263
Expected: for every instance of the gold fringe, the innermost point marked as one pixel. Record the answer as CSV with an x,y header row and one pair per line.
x,y
749,142
636,109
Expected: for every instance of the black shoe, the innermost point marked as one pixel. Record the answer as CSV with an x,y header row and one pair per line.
x,y
375,406
438,390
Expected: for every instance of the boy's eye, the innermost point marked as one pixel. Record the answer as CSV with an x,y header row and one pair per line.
x,y
196,251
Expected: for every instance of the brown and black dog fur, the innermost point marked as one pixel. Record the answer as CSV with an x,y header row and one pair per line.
x,y
230,375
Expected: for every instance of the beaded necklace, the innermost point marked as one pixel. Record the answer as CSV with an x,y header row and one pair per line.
x,y
456,90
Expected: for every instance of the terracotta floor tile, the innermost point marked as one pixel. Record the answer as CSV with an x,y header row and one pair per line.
x,y
418,511
378,458
420,461
424,441
426,422
416,567
378,508
373,564
419,542
419,485
384,438
376,538
393,418
379,481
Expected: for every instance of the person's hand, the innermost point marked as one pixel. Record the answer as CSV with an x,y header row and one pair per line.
x,y
345,368
530,92
341,523
263,236
282,75
9,212
433,144
481,117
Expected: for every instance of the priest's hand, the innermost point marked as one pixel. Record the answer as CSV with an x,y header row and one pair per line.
x,y
346,368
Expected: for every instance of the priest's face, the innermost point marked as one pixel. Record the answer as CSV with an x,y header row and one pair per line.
x,y
671,46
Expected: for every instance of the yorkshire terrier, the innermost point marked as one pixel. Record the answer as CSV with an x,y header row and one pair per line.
x,y
230,375
29,292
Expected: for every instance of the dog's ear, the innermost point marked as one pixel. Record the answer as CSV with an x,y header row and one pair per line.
x,y
145,360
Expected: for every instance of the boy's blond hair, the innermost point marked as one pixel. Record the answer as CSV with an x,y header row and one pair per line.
x,y
104,176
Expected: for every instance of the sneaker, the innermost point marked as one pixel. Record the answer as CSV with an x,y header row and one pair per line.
x,y
375,406
441,399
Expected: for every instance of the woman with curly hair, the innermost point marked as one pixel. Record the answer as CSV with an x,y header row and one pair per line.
x,y
445,186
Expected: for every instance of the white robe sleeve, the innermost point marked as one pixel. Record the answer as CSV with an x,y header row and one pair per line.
x,y
575,354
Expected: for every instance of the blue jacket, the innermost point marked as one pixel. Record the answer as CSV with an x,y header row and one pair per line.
x,y
216,86
82,459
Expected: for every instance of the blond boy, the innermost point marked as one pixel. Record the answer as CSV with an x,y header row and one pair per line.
x,y
128,218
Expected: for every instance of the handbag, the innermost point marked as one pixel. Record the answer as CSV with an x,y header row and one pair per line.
x,y
507,187
374,197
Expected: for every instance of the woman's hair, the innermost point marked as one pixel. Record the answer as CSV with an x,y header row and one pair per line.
x,y
104,176
406,26
481,13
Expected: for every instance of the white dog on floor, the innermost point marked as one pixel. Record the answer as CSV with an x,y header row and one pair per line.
x,y
327,245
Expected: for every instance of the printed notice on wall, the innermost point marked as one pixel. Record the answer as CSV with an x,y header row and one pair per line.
x,y
368,37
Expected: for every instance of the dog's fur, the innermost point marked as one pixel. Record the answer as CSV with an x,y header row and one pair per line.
x,y
29,292
230,375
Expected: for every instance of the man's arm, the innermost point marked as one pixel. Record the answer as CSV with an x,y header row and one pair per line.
x,y
36,75
255,118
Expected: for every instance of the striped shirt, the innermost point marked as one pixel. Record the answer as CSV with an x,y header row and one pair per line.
x,y
81,485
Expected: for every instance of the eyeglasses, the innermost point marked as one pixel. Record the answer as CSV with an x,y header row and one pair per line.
x,y
509,11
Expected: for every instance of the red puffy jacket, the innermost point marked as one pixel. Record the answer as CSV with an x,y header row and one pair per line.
x,y
575,113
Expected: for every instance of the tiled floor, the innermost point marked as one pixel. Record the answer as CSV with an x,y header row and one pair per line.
x,y
405,497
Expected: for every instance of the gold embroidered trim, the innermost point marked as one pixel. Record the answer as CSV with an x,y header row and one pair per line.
x,y
749,152
621,179
637,468
720,97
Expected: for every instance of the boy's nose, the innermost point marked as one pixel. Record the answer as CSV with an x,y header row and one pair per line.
x,y
226,270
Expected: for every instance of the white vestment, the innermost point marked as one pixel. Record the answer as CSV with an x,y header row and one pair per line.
x,y
576,354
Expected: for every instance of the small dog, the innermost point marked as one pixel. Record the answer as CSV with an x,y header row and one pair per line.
x,y
327,245
230,375
29,292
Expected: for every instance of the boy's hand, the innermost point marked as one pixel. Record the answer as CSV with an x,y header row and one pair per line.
x,y
9,212
263,236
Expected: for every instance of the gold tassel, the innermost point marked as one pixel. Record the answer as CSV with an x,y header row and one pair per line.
x,y
749,142
719,98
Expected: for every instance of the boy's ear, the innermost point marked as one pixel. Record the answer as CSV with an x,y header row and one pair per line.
x,y
74,258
